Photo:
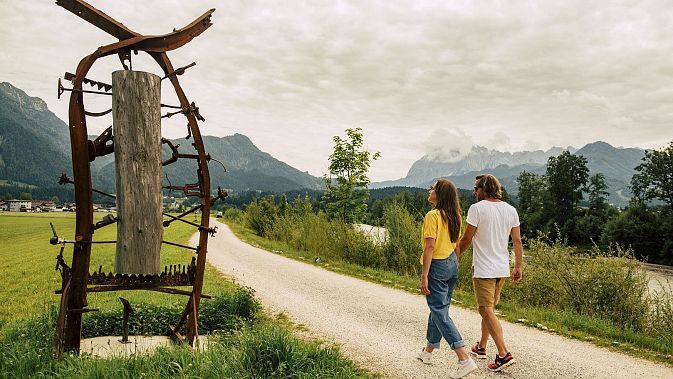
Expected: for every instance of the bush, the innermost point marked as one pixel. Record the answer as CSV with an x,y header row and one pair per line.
x,y
637,228
595,285
261,215
402,247
354,246
233,214
224,312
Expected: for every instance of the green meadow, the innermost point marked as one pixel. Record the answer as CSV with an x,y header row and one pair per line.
x,y
246,342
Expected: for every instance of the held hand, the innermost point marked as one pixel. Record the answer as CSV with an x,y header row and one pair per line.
x,y
424,286
517,274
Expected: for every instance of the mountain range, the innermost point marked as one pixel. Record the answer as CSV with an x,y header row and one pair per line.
x,y
617,164
35,150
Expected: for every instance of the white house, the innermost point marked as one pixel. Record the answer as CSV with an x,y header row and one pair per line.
x,y
19,205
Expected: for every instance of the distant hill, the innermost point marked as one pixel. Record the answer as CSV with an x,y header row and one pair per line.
x,y
617,164
35,150
34,143
248,168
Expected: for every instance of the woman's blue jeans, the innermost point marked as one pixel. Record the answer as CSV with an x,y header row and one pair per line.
x,y
441,280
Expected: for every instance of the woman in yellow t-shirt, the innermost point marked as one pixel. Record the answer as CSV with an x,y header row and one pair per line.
x,y
441,229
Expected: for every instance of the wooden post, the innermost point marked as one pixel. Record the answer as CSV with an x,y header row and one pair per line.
x,y
136,125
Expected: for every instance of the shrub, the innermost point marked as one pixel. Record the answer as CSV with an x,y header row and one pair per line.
x,y
637,228
261,215
595,285
402,247
354,246
224,312
233,214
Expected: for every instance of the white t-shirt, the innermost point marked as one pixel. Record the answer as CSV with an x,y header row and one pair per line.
x,y
494,221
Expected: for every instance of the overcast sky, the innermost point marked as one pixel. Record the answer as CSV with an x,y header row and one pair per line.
x,y
417,76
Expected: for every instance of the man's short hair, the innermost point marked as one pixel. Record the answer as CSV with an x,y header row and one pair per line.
x,y
490,185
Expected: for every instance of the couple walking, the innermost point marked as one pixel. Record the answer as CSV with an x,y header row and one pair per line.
x,y
490,222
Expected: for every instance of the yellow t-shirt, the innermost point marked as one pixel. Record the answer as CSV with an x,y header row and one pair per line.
x,y
435,227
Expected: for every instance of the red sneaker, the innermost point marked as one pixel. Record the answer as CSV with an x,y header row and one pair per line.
x,y
501,362
478,352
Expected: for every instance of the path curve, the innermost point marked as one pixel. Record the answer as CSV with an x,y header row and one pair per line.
x,y
381,328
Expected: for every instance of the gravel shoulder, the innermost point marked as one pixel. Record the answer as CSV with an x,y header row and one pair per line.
x,y
381,328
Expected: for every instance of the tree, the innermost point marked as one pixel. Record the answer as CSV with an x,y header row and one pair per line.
x,y
346,191
597,191
532,192
654,177
26,196
55,199
637,228
567,177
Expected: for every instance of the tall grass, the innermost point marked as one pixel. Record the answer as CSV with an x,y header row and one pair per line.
x,y
263,350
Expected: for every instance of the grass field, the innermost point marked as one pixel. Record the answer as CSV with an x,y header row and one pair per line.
x,y
27,262
246,345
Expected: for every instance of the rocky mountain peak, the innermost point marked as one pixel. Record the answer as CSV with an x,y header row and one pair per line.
x,y
21,98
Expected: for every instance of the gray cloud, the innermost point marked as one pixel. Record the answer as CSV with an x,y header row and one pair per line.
x,y
419,77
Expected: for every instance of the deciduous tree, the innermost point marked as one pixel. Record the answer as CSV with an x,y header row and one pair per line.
x,y
567,177
654,177
597,191
346,187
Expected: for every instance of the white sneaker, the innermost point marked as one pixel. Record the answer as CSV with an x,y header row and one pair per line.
x,y
464,368
424,356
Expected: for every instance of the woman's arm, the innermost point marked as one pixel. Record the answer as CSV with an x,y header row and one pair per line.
x,y
427,260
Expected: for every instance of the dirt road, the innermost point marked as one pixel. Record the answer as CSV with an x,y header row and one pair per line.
x,y
382,328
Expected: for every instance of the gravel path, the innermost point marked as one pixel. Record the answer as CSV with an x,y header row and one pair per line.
x,y
381,328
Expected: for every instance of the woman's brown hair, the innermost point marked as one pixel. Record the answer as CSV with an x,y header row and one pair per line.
x,y
448,205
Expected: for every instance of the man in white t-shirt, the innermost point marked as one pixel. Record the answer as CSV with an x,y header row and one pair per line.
x,y
490,223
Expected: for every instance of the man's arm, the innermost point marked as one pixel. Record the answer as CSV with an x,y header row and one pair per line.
x,y
517,273
465,242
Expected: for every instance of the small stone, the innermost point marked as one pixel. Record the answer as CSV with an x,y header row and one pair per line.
x,y
552,330
539,326
544,328
615,343
589,338
522,320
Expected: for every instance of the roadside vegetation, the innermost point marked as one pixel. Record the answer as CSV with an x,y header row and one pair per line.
x,y
243,341
597,295
598,292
